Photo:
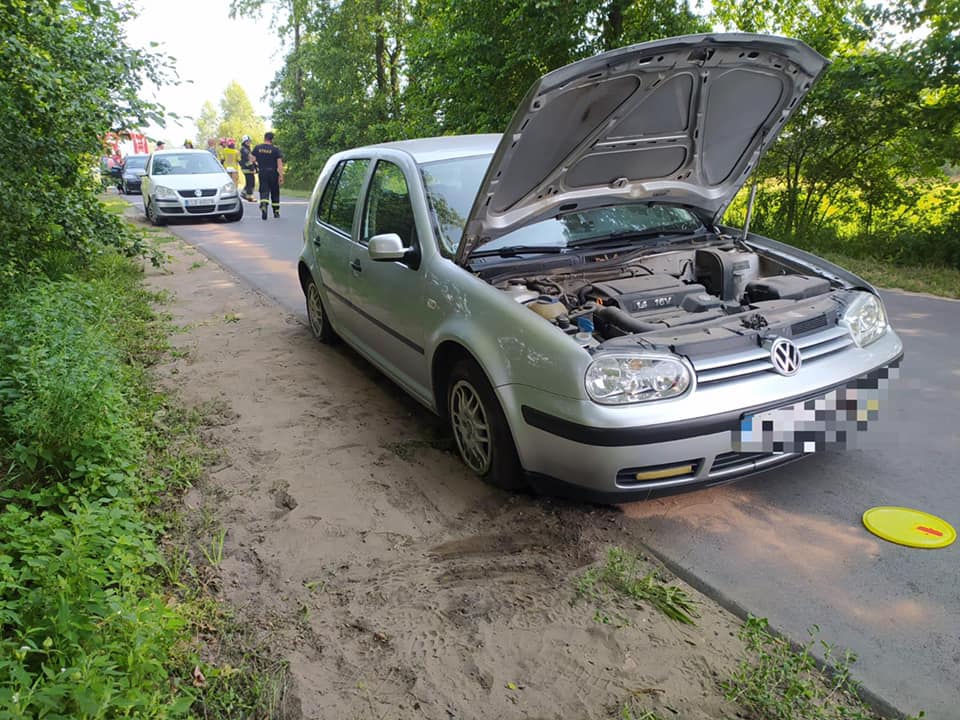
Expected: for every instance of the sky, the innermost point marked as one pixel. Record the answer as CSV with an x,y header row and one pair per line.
x,y
210,51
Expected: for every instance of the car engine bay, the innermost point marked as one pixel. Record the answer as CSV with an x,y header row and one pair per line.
x,y
711,299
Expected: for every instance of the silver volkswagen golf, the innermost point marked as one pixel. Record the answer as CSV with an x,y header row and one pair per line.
x,y
567,296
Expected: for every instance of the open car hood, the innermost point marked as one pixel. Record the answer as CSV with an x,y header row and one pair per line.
x,y
678,121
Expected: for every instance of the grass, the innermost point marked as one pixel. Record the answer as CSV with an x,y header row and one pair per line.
x,y
779,682
942,281
625,580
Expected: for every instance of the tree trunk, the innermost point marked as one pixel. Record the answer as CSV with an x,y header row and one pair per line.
x,y
613,24
380,50
297,20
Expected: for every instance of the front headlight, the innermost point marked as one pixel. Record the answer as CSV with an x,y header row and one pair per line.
x,y
163,193
613,379
865,318
229,189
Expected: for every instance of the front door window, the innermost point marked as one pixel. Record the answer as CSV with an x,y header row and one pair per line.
x,y
388,207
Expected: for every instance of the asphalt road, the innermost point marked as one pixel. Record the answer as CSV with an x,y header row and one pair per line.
x,y
787,545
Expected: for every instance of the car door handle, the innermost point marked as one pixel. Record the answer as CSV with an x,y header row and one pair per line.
x,y
355,264
316,241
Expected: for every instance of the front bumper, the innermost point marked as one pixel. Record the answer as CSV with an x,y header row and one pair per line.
x,y
131,184
211,206
613,454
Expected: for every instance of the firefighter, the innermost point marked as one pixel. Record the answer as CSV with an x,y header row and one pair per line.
x,y
231,159
249,166
270,161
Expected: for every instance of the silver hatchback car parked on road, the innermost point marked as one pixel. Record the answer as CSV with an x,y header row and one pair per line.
x,y
567,295
188,183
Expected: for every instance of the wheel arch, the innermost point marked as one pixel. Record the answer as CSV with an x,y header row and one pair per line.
x,y
446,355
303,272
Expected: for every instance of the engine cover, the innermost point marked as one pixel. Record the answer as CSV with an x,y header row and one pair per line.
x,y
643,293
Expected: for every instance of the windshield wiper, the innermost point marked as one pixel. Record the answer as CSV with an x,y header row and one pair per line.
x,y
514,250
618,239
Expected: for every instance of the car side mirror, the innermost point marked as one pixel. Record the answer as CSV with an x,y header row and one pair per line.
x,y
386,248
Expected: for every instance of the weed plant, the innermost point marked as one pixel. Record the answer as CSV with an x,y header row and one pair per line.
x,y
782,683
624,578
90,626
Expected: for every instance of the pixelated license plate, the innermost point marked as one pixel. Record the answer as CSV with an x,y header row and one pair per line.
x,y
830,421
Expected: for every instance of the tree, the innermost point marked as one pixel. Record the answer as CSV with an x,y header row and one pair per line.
x,y
879,119
67,77
207,124
237,116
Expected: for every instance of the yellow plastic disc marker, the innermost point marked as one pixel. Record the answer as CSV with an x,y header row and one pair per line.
x,y
909,527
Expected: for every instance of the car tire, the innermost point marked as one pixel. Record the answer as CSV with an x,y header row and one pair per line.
x,y
152,214
480,428
234,216
317,316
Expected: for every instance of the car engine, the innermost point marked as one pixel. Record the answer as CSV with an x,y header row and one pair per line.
x,y
722,296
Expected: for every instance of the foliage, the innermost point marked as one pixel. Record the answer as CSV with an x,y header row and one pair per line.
x,y
780,683
879,126
66,78
237,116
86,629
885,115
207,123
624,578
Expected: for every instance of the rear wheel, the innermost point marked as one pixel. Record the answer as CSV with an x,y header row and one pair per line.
x,y
480,428
317,316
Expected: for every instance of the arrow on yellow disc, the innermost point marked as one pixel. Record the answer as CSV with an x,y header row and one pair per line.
x,y
905,526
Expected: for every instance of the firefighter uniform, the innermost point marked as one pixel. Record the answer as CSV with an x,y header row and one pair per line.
x,y
249,167
267,156
231,160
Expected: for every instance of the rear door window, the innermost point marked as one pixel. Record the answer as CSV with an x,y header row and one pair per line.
x,y
345,194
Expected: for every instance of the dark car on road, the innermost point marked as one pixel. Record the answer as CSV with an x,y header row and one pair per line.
x,y
131,171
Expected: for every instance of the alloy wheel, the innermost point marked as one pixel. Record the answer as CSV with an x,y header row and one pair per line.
x,y
470,427
315,310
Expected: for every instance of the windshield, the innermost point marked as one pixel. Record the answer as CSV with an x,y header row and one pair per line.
x,y
186,164
452,186
618,221
139,161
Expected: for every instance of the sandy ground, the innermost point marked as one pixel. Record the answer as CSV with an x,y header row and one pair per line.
x,y
395,583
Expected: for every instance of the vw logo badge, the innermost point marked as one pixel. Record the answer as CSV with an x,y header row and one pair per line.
x,y
785,356
197,193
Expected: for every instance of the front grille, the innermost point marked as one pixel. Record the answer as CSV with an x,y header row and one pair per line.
x,y
757,360
732,459
200,209
208,192
732,464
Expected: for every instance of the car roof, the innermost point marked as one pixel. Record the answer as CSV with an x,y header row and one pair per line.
x,y
180,151
446,147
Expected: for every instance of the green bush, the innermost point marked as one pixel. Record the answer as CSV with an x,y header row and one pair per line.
x,y
86,630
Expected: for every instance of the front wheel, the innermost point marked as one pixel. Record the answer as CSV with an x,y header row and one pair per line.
x,y
480,428
152,215
317,316
236,215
